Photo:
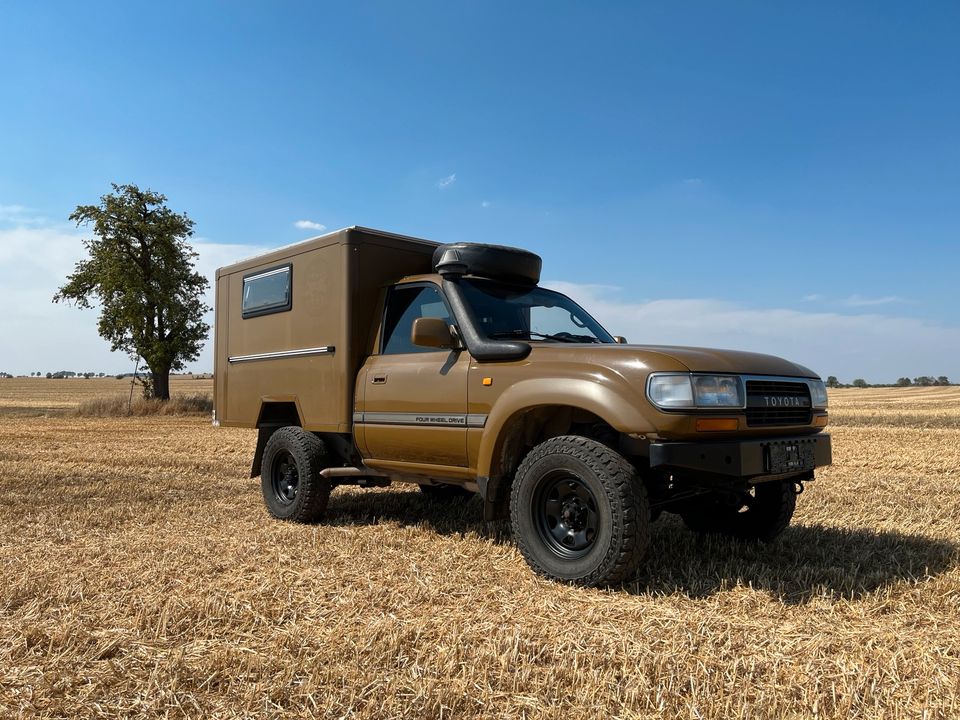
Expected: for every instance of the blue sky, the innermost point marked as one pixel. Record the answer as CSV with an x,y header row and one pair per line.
x,y
772,176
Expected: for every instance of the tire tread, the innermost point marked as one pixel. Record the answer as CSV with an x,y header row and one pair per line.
x,y
624,491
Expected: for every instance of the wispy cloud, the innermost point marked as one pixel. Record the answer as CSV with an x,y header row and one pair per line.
x,y
860,301
875,346
812,298
20,215
693,182
309,225
485,203
447,181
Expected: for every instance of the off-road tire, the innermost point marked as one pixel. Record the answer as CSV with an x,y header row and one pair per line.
x,y
622,512
446,492
766,515
298,452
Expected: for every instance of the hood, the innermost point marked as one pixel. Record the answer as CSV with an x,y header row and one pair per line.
x,y
730,361
695,359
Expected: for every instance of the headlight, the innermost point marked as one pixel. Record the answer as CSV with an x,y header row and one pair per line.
x,y
670,391
818,393
717,391
674,391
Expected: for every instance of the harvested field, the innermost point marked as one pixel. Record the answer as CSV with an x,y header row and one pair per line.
x,y
142,578
32,397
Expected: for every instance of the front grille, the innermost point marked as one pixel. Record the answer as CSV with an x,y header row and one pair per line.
x,y
777,402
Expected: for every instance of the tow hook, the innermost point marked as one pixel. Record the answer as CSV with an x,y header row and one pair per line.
x,y
797,488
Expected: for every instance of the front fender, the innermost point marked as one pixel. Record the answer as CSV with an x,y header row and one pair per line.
x,y
610,398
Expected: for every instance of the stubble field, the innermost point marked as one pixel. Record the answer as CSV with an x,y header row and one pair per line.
x,y
141,577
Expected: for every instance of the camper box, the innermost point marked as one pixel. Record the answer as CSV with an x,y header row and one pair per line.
x,y
294,325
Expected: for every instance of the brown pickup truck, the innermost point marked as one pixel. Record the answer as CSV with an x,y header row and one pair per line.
x,y
365,358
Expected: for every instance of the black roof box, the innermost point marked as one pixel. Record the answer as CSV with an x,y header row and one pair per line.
x,y
491,261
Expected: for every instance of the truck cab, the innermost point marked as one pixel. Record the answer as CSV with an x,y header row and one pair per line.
x,y
450,367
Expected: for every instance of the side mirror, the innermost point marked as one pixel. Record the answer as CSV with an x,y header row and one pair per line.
x,y
432,332
620,339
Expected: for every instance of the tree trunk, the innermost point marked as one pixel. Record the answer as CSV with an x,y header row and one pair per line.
x,y
161,383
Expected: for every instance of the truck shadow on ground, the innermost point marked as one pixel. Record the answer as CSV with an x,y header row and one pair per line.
x,y
806,562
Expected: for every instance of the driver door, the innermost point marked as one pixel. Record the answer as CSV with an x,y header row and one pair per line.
x,y
414,407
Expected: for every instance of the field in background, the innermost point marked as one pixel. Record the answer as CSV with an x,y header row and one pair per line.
x,y
42,396
141,578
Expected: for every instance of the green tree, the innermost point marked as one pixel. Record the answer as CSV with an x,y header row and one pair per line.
x,y
923,380
860,383
943,380
140,270
832,381
903,382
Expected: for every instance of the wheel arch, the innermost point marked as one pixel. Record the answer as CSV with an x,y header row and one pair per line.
x,y
535,410
274,414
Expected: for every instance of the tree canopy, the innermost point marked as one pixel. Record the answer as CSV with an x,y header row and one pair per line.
x,y
140,270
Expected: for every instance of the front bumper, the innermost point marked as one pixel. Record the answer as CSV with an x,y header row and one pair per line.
x,y
746,459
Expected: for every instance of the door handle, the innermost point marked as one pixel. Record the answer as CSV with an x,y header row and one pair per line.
x,y
379,379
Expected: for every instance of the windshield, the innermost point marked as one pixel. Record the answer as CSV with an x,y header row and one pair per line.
x,y
529,313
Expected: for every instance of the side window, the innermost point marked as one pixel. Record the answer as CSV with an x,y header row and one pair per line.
x,y
404,305
267,291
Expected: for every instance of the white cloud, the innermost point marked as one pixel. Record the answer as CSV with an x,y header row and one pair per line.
x,y
812,298
309,225
447,181
34,262
873,346
860,301
485,203
693,182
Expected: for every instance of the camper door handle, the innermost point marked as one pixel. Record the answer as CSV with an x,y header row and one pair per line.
x,y
379,379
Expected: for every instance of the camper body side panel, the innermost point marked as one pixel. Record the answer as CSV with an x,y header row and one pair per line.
x,y
336,283
310,381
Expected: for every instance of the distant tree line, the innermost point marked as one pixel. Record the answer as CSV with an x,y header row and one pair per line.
x,y
922,381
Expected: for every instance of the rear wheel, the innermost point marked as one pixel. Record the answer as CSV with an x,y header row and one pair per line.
x,y
579,512
761,513
292,486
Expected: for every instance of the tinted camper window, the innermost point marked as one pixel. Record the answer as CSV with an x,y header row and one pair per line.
x,y
267,291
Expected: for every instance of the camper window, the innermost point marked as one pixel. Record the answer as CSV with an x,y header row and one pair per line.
x,y
267,291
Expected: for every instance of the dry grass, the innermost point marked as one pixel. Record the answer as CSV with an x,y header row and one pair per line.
x,y
142,578
120,406
37,397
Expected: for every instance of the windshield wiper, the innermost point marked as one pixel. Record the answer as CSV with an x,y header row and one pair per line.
x,y
528,334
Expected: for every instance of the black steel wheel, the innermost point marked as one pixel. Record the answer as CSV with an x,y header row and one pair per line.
x,y
284,477
292,486
565,513
579,512
761,513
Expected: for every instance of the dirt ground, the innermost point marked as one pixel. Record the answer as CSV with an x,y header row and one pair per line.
x,y
141,577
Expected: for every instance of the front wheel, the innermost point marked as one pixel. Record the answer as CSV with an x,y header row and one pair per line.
x,y
290,480
579,512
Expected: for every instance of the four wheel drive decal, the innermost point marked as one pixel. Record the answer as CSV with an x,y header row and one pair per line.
x,y
420,419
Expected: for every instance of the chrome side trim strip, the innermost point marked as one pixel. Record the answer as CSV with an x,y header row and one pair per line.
x,y
420,419
282,354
